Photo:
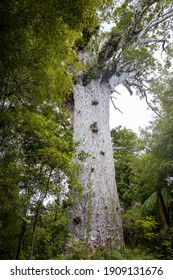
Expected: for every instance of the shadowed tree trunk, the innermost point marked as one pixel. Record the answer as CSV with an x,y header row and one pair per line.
x,y
21,239
36,220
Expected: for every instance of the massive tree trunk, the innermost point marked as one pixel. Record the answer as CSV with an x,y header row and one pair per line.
x,y
96,217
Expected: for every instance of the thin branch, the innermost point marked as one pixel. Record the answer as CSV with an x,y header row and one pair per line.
x,y
116,92
114,97
144,94
115,106
150,106
151,40
124,149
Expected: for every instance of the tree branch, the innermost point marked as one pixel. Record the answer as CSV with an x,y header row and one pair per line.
x,y
151,40
136,19
127,72
116,92
117,80
115,106
157,20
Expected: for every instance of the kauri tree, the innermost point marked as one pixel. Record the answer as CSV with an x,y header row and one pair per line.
x,y
48,50
123,56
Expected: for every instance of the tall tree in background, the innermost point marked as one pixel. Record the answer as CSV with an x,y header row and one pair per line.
x,y
124,56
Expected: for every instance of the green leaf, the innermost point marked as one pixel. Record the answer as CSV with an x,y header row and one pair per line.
x,y
150,203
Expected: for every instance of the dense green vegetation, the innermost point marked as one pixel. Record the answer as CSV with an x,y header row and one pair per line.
x,y
38,63
144,176
37,69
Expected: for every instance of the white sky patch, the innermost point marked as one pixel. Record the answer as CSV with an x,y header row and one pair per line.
x,y
136,113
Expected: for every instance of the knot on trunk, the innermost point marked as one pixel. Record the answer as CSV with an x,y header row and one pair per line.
x,y
92,169
94,127
95,102
77,219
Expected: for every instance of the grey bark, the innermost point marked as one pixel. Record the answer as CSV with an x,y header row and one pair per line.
x,y
96,217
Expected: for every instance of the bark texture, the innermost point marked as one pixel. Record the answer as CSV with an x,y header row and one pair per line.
x,y
96,217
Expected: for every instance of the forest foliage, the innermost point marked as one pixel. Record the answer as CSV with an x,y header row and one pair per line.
x,y
146,183
37,70
38,63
